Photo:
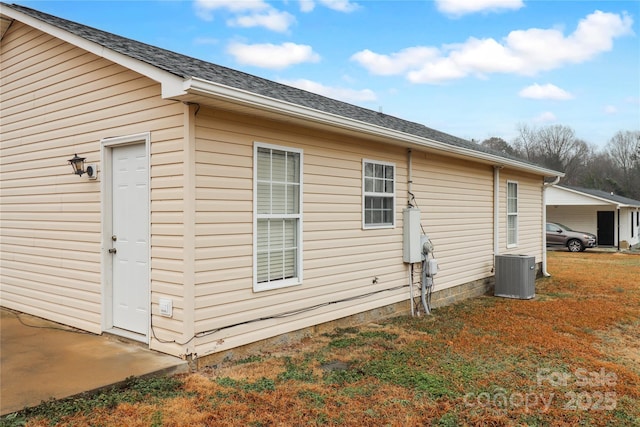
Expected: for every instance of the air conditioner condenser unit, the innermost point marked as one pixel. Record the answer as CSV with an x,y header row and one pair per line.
x,y
515,276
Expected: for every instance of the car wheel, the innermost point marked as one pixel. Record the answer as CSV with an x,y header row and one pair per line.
x,y
575,245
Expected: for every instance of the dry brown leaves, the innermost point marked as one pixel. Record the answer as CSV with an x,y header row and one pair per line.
x,y
584,319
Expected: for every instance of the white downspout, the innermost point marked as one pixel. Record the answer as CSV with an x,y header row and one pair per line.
x,y
545,273
496,212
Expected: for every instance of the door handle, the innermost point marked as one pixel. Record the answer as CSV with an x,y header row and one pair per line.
x,y
113,250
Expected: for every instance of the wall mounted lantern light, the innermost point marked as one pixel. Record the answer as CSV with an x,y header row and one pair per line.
x,y
77,163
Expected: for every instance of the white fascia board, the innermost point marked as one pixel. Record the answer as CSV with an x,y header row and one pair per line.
x,y
170,83
602,199
198,86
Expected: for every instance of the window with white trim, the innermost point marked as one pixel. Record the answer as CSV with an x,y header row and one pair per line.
x,y
378,188
512,214
277,252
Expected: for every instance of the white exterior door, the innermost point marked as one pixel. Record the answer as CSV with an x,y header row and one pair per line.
x,y
130,240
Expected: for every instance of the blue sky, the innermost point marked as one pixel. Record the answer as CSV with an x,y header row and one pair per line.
x,y
472,68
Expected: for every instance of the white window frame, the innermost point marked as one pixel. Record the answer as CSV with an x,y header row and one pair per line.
x,y
374,194
297,279
514,243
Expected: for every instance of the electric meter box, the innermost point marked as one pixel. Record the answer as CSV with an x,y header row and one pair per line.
x,y
411,231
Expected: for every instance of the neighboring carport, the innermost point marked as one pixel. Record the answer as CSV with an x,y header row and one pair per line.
x,y
613,218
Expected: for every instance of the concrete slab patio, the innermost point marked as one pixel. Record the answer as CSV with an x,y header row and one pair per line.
x,y
40,360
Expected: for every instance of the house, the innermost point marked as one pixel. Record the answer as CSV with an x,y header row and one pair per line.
x,y
614,219
225,209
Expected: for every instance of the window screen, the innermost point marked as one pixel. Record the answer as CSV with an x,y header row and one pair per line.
x,y
278,217
379,194
512,213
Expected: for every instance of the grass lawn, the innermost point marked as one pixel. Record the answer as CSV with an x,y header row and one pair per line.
x,y
569,357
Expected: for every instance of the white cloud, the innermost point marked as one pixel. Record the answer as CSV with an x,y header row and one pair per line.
x,y
344,94
396,63
272,20
525,52
307,5
610,109
338,5
204,8
436,72
463,7
545,117
246,13
272,56
547,91
548,49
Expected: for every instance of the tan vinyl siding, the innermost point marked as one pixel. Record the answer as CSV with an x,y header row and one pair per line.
x,y
340,259
456,202
529,214
58,100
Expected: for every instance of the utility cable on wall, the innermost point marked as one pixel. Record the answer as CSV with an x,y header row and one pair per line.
x,y
429,265
275,316
55,328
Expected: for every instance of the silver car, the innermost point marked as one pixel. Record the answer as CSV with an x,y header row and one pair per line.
x,y
575,241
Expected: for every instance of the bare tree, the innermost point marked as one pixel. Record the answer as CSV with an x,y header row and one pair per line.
x,y
622,148
616,168
576,163
598,173
498,144
525,143
636,155
555,147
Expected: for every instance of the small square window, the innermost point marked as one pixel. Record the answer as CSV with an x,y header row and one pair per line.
x,y
378,194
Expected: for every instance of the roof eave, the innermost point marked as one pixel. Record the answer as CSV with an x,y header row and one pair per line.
x,y
197,86
176,87
602,199
170,83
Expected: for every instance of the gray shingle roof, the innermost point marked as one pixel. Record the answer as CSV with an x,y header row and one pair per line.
x,y
605,195
187,67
